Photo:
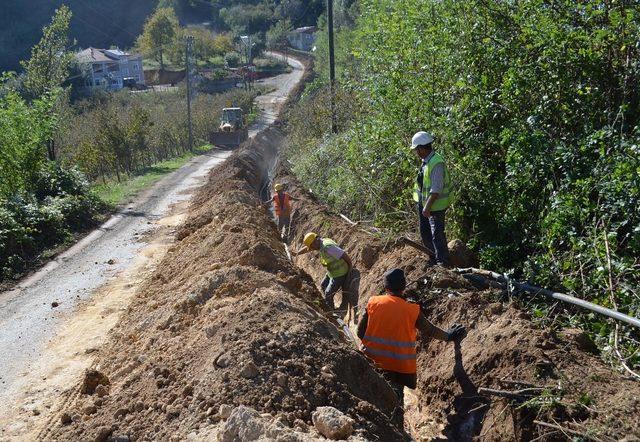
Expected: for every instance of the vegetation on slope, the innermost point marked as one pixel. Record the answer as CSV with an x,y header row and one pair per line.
x,y
533,104
95,23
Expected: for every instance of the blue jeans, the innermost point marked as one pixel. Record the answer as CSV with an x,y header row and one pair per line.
x,y
433,236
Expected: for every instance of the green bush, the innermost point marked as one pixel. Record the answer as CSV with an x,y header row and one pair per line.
x,y
536,110
32,223
232,59
216,62
79,211
54,180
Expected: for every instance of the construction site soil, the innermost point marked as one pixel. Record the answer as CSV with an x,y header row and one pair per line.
x,y
552,378
228,340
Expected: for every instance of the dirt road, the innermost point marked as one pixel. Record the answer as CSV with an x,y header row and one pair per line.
x,y
91,283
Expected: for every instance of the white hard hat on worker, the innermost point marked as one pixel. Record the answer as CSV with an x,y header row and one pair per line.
x,y
421,139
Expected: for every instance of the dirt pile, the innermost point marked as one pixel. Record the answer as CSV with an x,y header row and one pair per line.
x,y
227,320
562,391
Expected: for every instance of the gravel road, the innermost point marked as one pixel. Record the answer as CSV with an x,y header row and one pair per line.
x,y
28,321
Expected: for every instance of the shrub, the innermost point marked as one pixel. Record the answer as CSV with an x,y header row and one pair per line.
x,y
29,225
534,110
54,180
232,59
79,211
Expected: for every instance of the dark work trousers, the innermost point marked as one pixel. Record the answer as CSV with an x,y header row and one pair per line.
x,y
284,220
398,381
433,236
330,287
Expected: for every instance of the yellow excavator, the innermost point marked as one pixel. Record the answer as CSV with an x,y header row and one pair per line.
x,y
232,131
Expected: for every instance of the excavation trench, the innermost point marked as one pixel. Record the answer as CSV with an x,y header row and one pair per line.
x,y
228,320
466,390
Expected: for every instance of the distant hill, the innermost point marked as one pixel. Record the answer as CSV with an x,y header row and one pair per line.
x,y
102,23
97,23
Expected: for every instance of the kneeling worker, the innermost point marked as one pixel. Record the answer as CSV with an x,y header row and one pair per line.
x,y
388,331
336,261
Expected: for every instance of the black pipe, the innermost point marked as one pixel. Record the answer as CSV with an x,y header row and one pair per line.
x,y
635,322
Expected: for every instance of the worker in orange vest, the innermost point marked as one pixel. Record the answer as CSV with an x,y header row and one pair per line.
x,y
282,207
388,331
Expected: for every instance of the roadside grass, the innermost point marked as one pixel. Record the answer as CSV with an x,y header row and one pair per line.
x,y
115,193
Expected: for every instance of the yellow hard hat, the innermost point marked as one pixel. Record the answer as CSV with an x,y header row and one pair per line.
x,y
309,238
278,187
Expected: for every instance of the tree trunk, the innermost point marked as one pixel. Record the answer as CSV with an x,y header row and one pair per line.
x,y
51,150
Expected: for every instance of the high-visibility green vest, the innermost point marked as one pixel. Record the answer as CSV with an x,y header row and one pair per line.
x,y
444,198
335,267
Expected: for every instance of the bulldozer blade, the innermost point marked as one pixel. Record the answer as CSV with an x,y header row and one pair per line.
x,y
229,139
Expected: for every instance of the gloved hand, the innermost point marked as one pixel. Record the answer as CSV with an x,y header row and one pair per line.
x,y
457,332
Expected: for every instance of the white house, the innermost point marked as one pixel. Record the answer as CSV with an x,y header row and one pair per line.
x,y
111,69
303,38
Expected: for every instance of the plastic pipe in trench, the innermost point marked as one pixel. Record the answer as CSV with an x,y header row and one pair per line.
x,y
555,295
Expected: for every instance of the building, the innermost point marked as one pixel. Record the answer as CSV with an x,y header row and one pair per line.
x,y
303,38
111,69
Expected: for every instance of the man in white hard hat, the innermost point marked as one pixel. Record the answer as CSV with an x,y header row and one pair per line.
x,y
432,192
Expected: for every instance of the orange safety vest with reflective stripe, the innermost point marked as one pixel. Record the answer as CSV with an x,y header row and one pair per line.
x,y
390,339
282,206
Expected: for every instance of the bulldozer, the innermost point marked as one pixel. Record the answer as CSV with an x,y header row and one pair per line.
x,y
232,131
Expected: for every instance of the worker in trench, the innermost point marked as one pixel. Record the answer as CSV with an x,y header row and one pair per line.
x,y
432,193
388,332
282,207
338,265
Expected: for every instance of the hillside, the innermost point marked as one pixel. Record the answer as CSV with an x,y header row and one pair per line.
x,y
94,23
103,24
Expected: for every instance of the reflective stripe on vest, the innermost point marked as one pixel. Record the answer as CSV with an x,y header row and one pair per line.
x,y
390,339
444,198
335,267
279,206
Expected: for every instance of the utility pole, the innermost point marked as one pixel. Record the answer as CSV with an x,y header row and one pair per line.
x,y
189,49
332,66
246,41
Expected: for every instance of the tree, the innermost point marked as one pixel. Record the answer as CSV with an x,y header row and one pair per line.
x,y
277,35
159,31
223,43
248,19
24,129
49,64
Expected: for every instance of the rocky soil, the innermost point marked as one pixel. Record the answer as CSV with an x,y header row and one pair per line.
x,y
228,341
226,321
566,391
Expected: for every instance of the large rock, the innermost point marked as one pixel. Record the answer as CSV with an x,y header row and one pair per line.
x,y
93,378
332,423
244,424
249,371
460,255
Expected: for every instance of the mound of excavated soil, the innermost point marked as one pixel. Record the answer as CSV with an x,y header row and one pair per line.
x,y
227,320
227,340
560,381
